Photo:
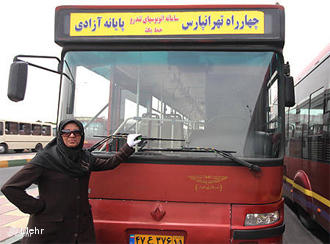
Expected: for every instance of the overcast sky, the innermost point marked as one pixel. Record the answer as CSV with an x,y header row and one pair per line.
x,y
27,27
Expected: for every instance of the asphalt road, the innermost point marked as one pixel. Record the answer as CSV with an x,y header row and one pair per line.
x,y
295,232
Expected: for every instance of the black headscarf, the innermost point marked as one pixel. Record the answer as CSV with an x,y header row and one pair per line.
x,y
56,156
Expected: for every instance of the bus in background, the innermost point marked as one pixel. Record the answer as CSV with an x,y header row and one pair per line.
x,y
207,87
18,135
307,160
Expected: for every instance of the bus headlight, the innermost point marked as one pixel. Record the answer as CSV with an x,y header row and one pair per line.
x,y
262,218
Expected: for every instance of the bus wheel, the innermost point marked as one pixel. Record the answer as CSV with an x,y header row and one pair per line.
x,y
3,148
38,147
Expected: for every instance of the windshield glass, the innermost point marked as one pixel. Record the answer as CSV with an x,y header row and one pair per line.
x,y
223,100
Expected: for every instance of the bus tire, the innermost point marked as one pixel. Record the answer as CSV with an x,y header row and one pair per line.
x,y
3,148
38,147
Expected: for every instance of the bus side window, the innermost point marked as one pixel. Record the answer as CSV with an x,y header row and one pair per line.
x,y
36,130
24,129
316,109
1,128
326,118
11,128
54,131
46,130
327,105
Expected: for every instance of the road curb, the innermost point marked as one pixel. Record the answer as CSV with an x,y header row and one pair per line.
x,y
13,162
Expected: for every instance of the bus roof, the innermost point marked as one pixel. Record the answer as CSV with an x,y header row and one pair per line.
x,y
227,24
314,63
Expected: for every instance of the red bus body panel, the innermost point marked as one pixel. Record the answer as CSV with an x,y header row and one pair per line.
x,y
299,171
197,200
188,183
200,222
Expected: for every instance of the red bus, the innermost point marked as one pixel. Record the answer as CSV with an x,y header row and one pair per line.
x,y
209,85
306,165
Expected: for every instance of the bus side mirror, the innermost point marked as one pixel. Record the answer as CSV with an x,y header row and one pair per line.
x,y
17,81
289,92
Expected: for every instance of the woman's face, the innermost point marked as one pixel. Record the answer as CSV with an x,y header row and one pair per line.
x,y
71,135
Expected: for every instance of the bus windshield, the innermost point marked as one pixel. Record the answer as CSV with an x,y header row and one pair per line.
x,y
212,99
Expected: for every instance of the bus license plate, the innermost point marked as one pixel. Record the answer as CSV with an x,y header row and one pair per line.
x,y
155,239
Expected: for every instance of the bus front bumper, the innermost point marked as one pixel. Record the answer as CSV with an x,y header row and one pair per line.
x,y
259,234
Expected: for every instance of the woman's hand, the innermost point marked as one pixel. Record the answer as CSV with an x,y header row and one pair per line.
x,y
133,139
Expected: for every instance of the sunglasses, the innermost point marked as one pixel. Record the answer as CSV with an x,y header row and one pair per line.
x,y
67,133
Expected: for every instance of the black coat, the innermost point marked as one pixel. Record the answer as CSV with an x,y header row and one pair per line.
x,y
62,213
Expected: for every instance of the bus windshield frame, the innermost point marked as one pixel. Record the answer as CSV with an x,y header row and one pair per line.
x,y
245,117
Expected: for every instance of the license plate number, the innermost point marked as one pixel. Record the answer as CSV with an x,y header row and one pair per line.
x,y
155,239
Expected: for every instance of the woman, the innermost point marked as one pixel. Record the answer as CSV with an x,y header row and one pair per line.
x,y
62,213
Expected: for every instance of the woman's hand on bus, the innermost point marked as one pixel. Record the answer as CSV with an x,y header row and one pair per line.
x,y
133,139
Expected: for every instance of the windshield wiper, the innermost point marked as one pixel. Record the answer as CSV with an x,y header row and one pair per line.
x,y
226,154
230,156
106,138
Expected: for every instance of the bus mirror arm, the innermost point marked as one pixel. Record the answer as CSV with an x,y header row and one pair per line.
x,y
18,75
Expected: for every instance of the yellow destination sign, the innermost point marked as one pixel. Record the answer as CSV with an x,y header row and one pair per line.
x,y
166,23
